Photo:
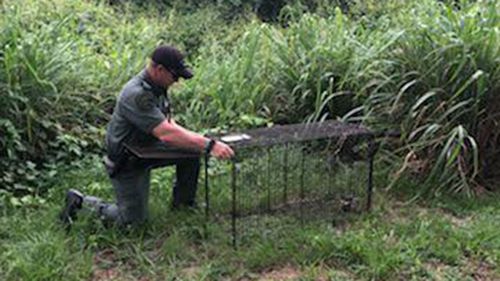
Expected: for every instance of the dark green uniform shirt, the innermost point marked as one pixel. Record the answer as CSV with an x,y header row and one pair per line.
x,y
140,107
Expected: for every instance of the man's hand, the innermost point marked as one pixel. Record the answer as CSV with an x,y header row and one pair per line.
x,y
178,136
222,151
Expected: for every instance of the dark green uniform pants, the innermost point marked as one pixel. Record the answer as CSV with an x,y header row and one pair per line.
x,y
131,187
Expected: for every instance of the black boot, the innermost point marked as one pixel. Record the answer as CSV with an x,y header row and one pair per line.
x,y
74,201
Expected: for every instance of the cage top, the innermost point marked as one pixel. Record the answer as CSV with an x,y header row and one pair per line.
x,y
282,134
264,137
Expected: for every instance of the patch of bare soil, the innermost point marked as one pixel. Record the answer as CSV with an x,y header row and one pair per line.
x,y
481,271
105,268
105,274
285,273
469,270
458,221
288,273
438,269
191,272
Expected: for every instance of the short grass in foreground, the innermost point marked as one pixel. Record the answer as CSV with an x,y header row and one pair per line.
x,y
449,239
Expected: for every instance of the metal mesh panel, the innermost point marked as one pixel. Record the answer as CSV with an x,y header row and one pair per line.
x,y
290,174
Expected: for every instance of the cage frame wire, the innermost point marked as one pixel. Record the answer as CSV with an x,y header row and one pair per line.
x,y
266,138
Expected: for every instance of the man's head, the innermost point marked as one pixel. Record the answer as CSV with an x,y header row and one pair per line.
x,y
167,66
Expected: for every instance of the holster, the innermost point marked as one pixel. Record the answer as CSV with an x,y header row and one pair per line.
x,y
113,167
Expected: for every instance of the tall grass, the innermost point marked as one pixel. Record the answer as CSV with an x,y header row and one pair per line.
x,y
61,65
228,88
445,70
425,68
310,69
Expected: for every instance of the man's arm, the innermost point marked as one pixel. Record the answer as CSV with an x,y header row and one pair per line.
x,y
178,136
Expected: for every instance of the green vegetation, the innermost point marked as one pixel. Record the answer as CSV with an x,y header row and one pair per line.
x,y
446,239
62,63
432,67
429,69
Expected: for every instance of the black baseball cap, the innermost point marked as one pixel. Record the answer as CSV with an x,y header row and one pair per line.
x,y
173,60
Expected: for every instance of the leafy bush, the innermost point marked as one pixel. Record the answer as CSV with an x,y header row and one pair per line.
x,y
425,68
61,65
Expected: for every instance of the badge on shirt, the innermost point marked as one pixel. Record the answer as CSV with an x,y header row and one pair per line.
x,y
144,101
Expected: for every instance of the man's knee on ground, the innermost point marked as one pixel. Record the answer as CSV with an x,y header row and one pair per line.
x,y
133,212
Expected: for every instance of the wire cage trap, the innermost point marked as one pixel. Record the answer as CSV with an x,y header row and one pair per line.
x,y
293,173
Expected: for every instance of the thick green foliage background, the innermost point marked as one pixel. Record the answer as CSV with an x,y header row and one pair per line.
x,y
429,69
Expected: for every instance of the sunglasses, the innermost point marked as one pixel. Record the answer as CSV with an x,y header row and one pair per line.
x,y
175,75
